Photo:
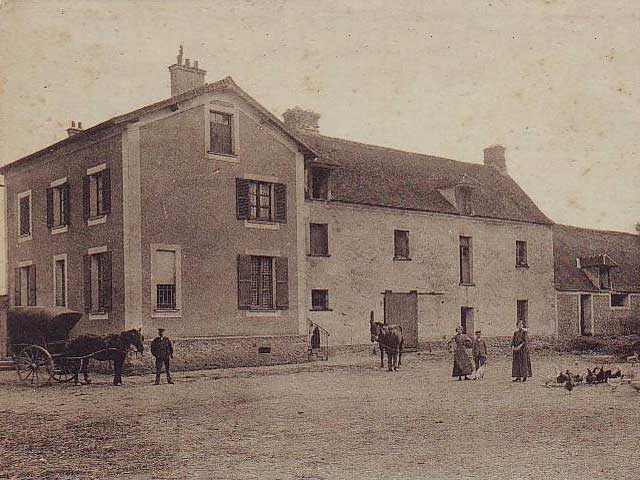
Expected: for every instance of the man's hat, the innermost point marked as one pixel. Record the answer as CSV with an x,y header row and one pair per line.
x,y
478,331
160,330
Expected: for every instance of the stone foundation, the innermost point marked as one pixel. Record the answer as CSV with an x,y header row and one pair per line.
x,y
220,352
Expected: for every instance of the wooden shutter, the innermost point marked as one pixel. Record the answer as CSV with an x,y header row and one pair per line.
x,y
67,204
31,272
107,283
244,282
282,283
280,190
106,191
49,207
86,263
86,197
17,298
242,199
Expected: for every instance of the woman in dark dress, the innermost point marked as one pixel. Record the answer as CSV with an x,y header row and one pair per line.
x,y
521,366
461,362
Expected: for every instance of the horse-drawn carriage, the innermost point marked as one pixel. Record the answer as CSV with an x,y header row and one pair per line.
x,y
38,340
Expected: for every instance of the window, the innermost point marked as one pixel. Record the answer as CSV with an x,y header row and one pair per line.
x,y
25,286
262,283
261,201
97,281
319,299
319,184
97,193
60,280
24,214
166,277
522,315
521,254
466,320
319,239
463,199
221,131
58,205
401,245
466,261
605,279
619,300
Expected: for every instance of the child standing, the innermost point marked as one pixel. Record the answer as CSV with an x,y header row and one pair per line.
x,y
479,354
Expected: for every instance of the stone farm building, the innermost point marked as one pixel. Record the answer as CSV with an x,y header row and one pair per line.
x,y
207,215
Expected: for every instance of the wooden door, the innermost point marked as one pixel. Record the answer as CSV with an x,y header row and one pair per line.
x,y
585,315
466,320
402,309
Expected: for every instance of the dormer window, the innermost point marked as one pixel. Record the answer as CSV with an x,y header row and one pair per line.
x,y
319,179
605,279
463,200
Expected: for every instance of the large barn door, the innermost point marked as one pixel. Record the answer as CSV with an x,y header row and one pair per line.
x,y
402,309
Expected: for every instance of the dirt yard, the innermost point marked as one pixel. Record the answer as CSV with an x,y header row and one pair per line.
x,y
343,420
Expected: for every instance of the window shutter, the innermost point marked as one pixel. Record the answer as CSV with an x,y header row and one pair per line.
x,y
67,204
49,207
106,284
242,198
281,202
32,285
106,191
17,300
244,282
86,262
282,283
86,197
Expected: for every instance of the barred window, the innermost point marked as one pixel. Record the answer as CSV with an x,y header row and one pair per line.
x,y
166,296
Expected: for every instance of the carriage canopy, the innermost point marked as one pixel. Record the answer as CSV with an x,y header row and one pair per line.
x,y
40,325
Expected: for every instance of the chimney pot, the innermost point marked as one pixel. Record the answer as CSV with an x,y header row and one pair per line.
x,y
73,124
494,158
187,63
80,125
184,77
73,130
299,119
195,64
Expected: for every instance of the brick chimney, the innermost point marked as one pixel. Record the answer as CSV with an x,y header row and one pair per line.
x,y
185,77
299,119
494,158
73,129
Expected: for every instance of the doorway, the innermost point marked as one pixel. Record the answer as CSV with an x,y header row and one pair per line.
x,y
585,315
402,309
466,320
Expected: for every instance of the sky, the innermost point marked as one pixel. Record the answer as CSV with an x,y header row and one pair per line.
x,y
556,82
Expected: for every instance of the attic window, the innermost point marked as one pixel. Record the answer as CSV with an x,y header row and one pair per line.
x,y
319,183
463,200
619,300
605,279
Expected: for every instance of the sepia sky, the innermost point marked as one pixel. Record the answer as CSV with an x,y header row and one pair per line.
x,y
556,82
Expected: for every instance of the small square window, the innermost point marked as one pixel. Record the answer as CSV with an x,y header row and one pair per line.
x,y
619,300
319,299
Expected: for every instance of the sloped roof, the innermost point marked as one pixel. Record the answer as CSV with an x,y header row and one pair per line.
x,y
570,243
226,83
373,175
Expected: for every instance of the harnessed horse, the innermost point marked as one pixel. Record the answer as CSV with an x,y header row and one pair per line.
x,y
389,338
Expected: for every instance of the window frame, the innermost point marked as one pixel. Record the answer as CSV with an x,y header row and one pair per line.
x,y
279,284
312,183
23,237
525,320
324,307
222,108
626,300
257,184
61,189
519,258
65,278
26,268
93,261
460,258
166,312
102,199
604,273
397,254
314,252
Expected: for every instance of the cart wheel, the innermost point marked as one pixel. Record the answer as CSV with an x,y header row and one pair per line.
x,y
64,371
34,366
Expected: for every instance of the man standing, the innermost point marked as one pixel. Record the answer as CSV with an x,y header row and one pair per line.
x,y
162,349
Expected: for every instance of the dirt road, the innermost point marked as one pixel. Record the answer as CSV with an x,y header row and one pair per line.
x,y
347,419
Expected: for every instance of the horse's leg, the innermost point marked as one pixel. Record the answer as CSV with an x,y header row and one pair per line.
x,y
84,363
400,352
76,372
390,360
118,364
381,356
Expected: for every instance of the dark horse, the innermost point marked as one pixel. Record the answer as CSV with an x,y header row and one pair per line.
x,y
104,348
389,338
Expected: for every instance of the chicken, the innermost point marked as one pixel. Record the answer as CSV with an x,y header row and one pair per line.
x,y
568,384
590,378
561,378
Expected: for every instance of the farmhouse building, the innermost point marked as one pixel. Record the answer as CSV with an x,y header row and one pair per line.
x,y
240,233
597,280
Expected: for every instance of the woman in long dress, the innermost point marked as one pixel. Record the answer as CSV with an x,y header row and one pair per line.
x,y
461,362
521,365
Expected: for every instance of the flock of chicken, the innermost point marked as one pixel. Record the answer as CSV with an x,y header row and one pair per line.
x,y
595,376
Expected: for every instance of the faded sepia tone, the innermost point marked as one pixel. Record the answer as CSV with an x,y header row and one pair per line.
x,y
327,218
